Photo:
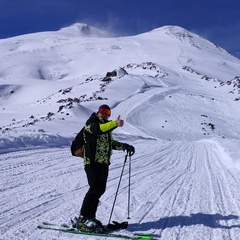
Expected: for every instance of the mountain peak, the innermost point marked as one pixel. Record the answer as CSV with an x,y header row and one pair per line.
x,y
177,32
84,30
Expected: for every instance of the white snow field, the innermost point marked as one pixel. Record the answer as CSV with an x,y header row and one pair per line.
x,y
179,97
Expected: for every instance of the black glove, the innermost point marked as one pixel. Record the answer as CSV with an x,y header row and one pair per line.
x,y
129,148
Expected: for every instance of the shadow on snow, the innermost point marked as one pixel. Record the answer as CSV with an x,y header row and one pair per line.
x,y
208,220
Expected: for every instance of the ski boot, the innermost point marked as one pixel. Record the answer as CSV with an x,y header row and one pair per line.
x,y
89,225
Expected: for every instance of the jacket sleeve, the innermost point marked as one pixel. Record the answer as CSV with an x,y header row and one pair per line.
x,y
101,128
117,145
108,126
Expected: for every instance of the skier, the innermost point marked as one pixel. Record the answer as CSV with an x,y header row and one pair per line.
x,y
98,150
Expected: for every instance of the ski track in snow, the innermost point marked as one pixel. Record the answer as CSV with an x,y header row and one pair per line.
x,y
179,190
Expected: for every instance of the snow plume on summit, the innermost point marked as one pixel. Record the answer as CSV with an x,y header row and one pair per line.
x,y
84,30
179,96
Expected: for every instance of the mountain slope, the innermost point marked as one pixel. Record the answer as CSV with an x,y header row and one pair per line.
x,y
46,75
179,97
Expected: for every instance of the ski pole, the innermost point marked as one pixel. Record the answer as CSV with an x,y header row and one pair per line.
x,y
129,186
118,188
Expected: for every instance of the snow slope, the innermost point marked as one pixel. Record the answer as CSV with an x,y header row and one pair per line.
x,y
178,94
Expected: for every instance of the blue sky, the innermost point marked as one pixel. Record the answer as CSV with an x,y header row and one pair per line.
x,y
216,20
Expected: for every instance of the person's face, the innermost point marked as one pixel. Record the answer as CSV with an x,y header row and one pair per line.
x,y
104,116
104,113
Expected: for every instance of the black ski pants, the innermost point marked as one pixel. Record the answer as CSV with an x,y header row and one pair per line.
x,y
97,175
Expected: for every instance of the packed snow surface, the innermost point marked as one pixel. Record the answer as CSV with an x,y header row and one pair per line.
x,y
178,95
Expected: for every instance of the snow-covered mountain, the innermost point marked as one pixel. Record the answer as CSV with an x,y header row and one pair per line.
x,y
53,78
179,96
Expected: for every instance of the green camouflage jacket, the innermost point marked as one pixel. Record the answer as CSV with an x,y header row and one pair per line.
x,y
99,140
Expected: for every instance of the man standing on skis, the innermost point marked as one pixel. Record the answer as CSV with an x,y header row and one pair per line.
x,y
98,150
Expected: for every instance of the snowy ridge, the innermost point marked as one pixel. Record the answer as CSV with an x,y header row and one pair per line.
x,y
179,97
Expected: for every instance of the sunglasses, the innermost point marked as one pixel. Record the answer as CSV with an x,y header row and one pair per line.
x,y
105,111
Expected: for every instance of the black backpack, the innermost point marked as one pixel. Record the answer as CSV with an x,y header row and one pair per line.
x,y
78,145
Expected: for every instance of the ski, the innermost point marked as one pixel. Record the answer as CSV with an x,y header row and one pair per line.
x,y
113,234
